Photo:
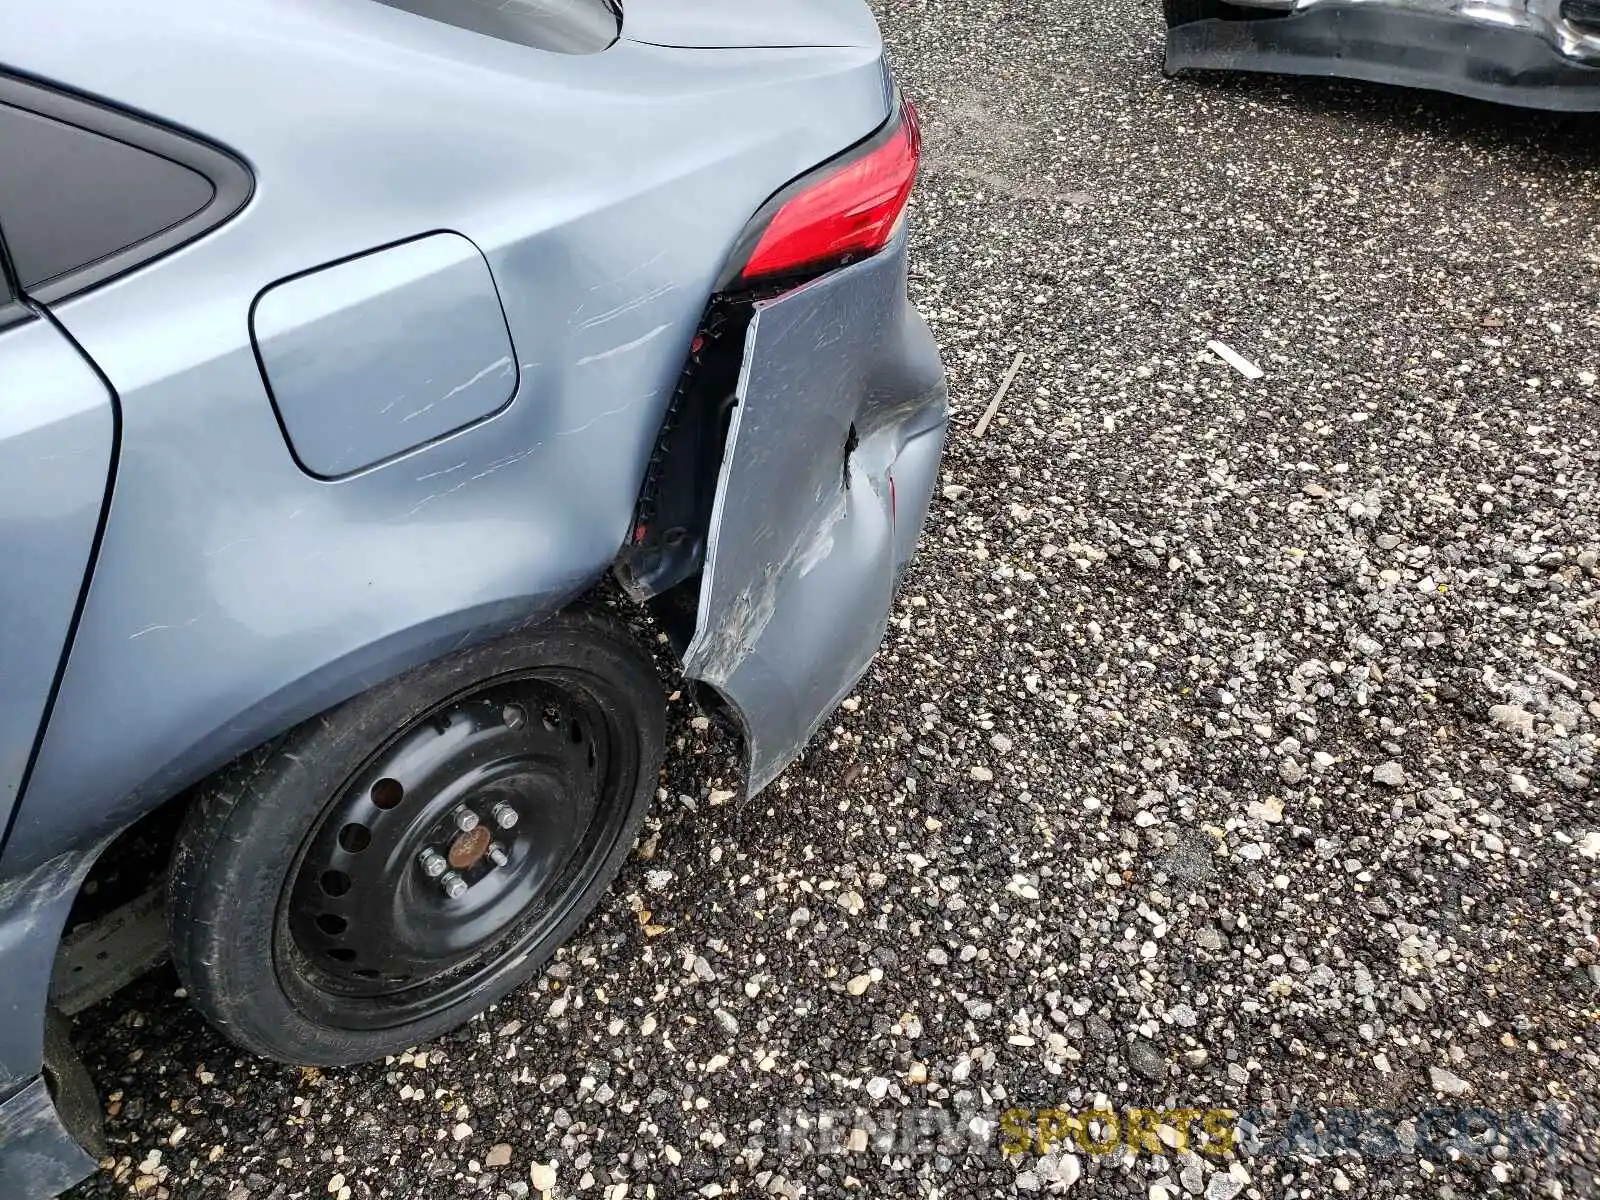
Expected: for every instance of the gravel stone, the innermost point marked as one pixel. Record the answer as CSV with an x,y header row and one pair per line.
x,y
1447,1082
1147,1060
1390,774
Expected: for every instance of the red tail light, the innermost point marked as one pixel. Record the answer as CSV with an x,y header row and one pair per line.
x,y
846,211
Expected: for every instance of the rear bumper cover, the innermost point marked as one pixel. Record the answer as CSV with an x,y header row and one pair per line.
x,y
1522,52
829,466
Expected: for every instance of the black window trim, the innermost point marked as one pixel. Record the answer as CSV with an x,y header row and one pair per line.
x,y
14,309
231,180
14,312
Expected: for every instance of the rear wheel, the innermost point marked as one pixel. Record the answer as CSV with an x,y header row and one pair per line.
x,y
394,866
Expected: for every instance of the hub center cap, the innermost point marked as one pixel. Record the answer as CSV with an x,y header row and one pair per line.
x,y
467,849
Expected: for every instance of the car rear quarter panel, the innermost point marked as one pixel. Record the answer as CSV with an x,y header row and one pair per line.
x,y
57,431
236,595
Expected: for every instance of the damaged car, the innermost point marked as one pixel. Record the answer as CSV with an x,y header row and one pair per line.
x,y
1534,53
345,347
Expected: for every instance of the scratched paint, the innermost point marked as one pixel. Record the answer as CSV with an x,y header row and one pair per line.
x,y
633,305
324,373
626,346
38,1157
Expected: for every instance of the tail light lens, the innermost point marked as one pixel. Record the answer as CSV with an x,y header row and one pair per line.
x,y
845,211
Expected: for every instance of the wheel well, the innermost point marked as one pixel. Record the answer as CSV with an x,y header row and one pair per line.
x,y
116,929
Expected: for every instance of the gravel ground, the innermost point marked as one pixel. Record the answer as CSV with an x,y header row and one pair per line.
x,y
1233,745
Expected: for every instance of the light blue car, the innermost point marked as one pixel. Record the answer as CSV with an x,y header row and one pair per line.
x,y
344,346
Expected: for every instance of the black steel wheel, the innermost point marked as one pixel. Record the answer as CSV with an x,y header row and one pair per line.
x,y
394,866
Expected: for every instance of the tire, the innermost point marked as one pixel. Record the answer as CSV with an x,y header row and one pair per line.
x,y
309,922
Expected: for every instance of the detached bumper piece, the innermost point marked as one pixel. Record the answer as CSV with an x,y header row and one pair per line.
x,y
1533,53
831,458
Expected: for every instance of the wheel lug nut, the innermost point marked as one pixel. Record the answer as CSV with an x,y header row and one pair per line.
x,y
497,854
432,862
504,815
514,716
453,884
465,819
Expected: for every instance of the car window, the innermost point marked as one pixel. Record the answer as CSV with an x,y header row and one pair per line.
x,y
88,192
563,26
71,198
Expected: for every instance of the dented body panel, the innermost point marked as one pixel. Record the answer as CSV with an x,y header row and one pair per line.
x,y
806,548
1533,53
33,908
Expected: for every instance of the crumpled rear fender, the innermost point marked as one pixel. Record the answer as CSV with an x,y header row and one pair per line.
x,y
830,461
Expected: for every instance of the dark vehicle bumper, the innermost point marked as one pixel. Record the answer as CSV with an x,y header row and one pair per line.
x,y
1530,55
831,460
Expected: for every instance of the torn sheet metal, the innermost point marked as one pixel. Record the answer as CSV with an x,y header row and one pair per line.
x,y
1533,53
830,460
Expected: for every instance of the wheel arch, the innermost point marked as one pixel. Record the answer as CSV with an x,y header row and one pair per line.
x,y
44,832
37,898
